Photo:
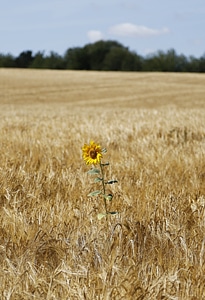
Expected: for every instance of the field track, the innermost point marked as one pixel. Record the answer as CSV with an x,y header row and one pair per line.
x,y
52,245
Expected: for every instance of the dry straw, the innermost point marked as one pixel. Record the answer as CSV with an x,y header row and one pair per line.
x,y
52,246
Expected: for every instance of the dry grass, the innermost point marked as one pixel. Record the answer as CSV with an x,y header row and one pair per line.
x,y
51,244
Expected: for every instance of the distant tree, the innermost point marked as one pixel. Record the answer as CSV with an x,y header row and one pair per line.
x,y
121,59
152,62
53,61
24,59
98,51
192,64
77,59
181,63
202,64
165,62
38,61
7,61
106,55
170,63
91,56
113,60
131,62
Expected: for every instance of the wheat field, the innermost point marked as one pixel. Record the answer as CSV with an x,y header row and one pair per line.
x,y
52,245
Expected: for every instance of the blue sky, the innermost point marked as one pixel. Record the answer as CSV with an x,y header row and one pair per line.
x,y
144,26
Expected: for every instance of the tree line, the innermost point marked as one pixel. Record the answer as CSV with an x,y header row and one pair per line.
x,y
105,56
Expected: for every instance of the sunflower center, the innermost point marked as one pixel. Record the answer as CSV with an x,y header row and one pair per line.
x,y
93,154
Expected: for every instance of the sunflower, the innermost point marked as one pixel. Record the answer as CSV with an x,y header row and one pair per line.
x,y
92,153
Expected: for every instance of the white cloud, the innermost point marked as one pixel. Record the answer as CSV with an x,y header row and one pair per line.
x,y
94,35
131,30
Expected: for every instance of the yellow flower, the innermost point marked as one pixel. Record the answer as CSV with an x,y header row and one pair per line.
x,y
92,153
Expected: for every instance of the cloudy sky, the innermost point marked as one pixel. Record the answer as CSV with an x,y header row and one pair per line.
x,y
144,26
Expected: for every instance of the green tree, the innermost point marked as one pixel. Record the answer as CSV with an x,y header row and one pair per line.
x,y
165,62
24,59
169,63
38,61
53,61
181,63
202,64
98,51
77,59
91,56
7,61
120,59
131,62
153,62
106,55
113,60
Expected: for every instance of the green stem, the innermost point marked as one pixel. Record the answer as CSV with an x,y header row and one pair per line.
x,y
103,184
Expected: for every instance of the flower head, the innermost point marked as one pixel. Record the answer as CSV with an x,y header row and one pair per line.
x,y
92,153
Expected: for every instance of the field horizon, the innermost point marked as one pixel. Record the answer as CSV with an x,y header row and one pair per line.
x,y
52,245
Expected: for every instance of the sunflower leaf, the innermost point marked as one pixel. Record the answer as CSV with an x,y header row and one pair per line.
x,y
98,179
108,197
101,215
94,171
95,193
112,212
104,150
105,164
111,181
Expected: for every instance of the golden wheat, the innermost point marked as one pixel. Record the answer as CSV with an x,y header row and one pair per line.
x,y
51,244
